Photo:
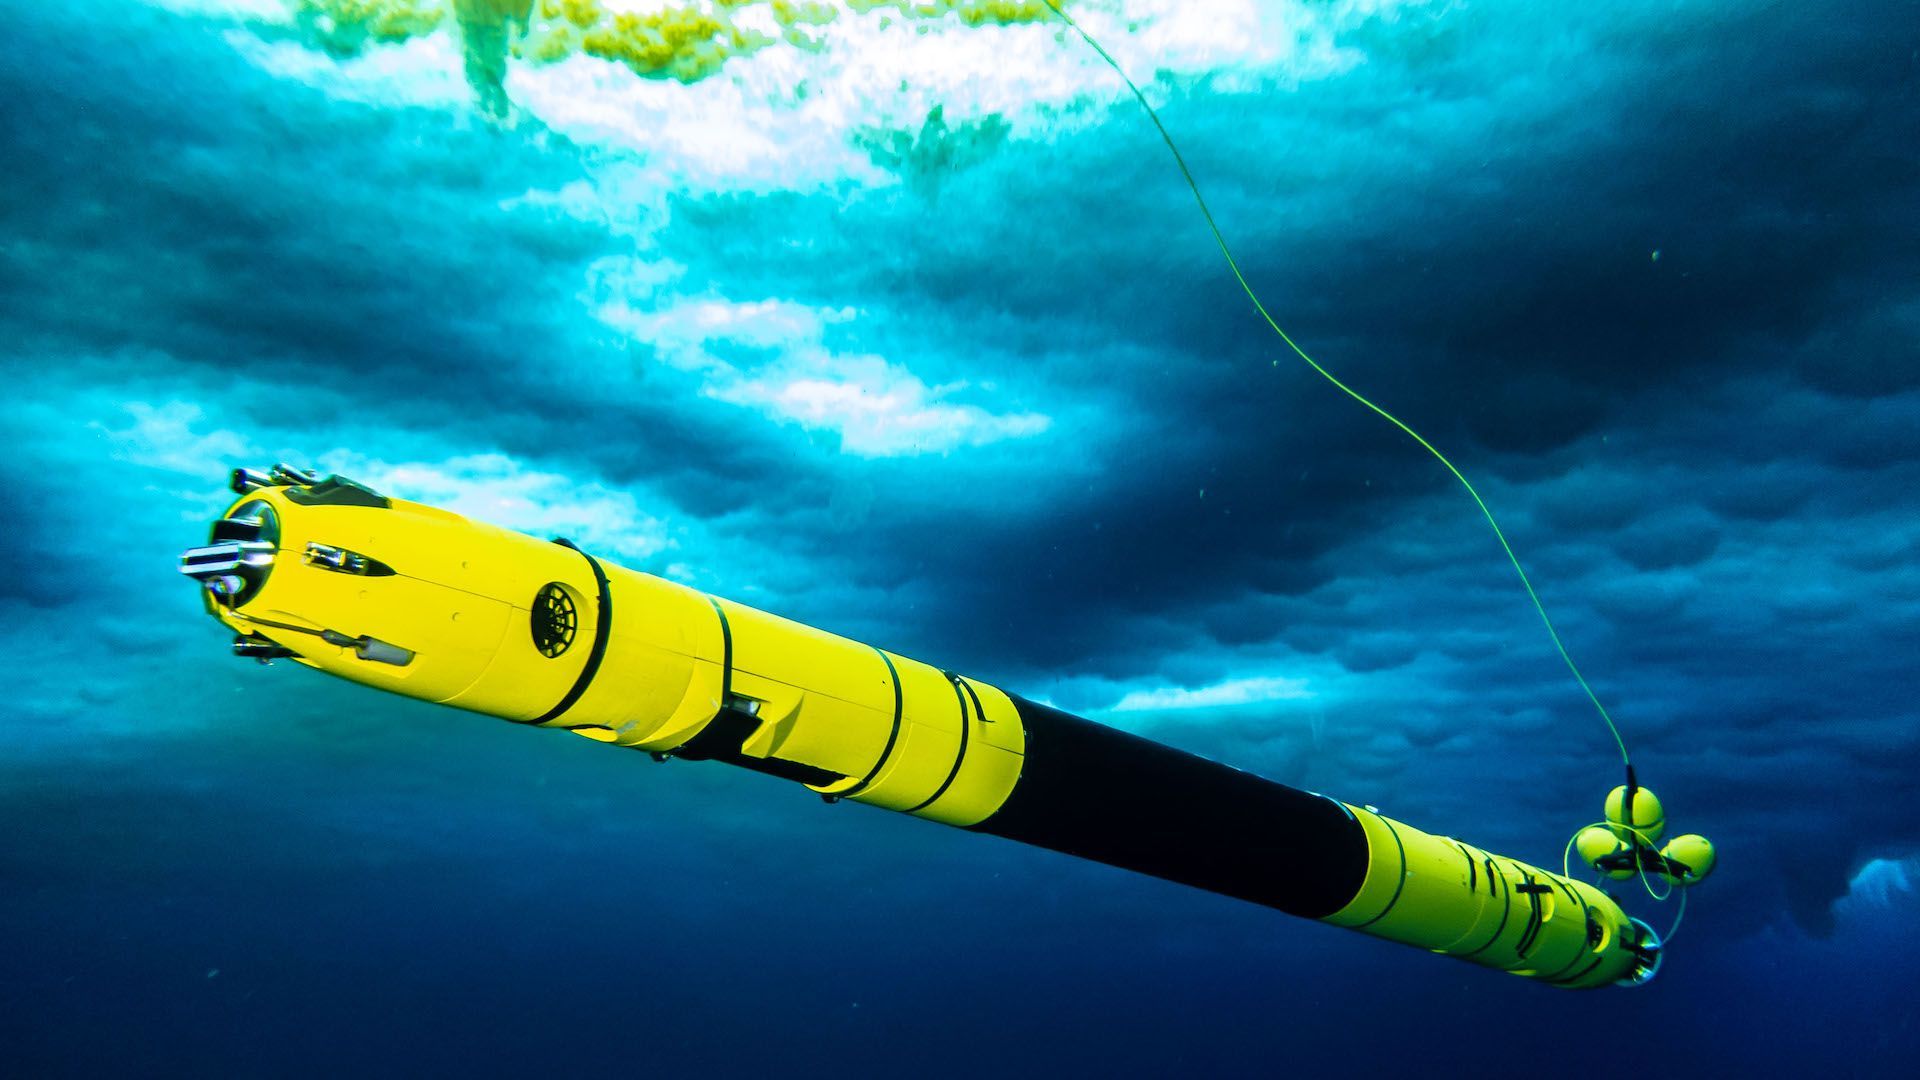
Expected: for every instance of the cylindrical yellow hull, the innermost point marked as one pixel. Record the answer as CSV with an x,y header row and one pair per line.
x,y
421,602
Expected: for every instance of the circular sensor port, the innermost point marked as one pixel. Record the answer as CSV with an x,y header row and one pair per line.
x,y
555,619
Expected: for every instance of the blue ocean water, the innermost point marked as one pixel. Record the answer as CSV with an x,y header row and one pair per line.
x,y
906,327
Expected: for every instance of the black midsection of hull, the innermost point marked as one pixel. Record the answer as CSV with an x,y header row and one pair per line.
x,y
1099,793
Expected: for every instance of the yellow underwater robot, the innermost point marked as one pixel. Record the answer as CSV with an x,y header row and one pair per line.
x,y
426,603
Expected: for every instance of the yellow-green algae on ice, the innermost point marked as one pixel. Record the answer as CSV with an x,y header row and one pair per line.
x,y
683,41
345,27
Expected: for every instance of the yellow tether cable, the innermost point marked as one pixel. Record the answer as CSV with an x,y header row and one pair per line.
x,y
1234,265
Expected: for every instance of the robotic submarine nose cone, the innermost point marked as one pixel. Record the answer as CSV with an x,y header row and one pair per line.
x,y
256,568
238,558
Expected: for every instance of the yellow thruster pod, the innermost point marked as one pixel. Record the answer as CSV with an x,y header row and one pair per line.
x,y
422,602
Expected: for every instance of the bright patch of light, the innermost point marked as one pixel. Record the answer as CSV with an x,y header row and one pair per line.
x,y
1246,691
165,437
498,490
259,10
1882,881
877,408
682,331
421,71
